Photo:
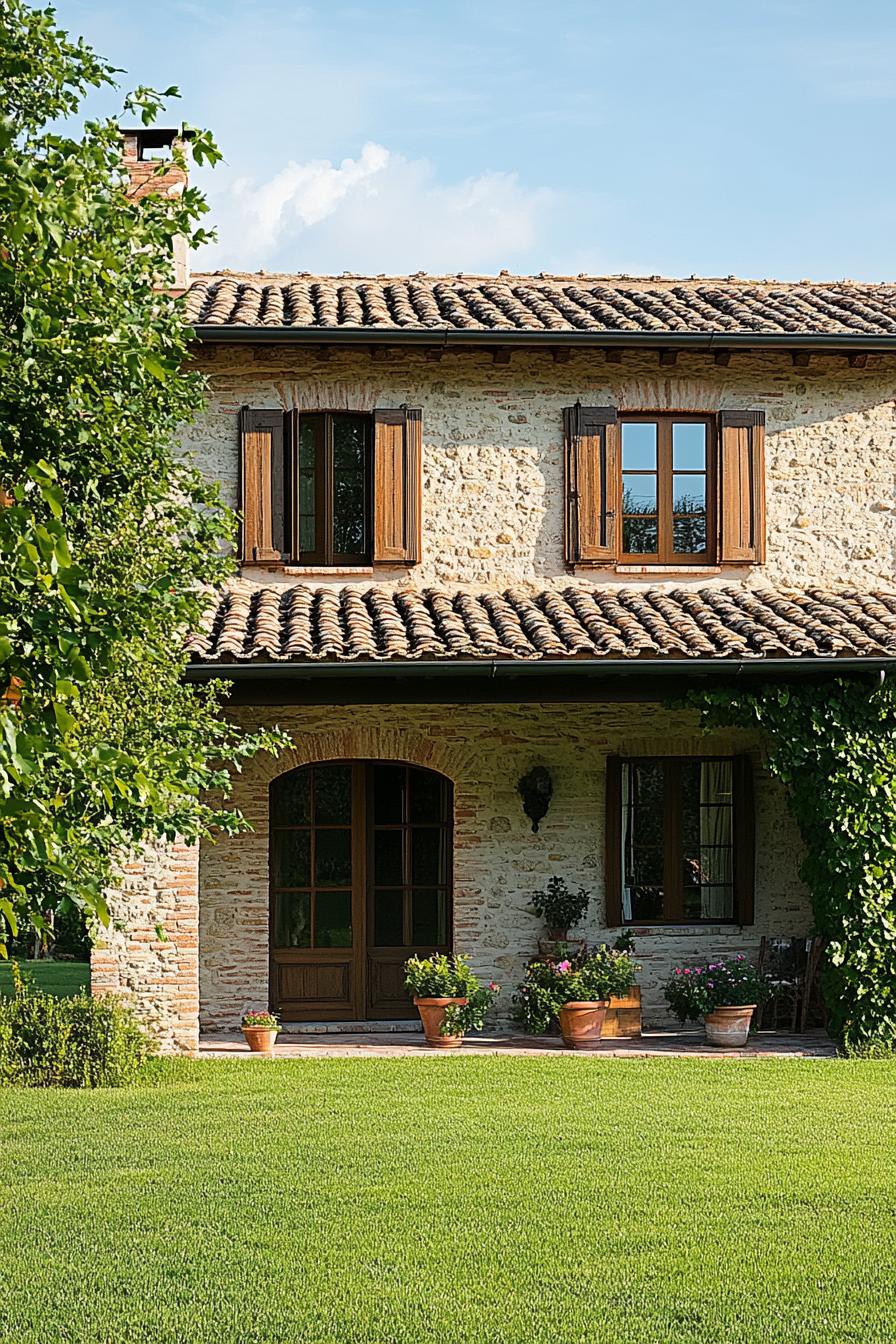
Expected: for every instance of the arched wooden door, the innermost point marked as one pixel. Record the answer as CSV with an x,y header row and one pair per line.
x,y
360,866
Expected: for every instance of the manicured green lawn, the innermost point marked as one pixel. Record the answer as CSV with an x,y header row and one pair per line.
x,y
62,978
455,1200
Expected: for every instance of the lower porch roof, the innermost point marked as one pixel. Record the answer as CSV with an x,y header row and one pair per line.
x,y
566,633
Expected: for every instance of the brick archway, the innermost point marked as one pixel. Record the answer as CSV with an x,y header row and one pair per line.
x,y
235,874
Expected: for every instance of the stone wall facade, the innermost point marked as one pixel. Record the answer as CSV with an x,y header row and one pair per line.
x,y
498,861
492,450
149,954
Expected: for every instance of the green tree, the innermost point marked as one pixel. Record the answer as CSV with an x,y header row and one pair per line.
x,y
109,537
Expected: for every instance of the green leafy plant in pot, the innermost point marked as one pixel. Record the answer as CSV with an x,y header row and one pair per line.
x,y
448,997
574,991
561,909
724,993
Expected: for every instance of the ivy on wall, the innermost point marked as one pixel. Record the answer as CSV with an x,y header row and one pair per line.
x,y
833,746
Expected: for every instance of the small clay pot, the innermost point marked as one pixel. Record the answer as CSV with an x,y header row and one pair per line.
x,y
260,1040
432,1015
581,1023
729,1026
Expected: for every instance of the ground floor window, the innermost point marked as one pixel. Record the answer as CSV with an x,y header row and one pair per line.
x,y
679,840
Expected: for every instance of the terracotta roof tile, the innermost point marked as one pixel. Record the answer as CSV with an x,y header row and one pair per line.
x,y
354,624
541,304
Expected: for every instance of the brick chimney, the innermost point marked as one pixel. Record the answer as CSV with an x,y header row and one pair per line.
x,y
141,152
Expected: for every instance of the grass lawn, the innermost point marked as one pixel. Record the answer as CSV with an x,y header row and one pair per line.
x,y
455,1200
62,978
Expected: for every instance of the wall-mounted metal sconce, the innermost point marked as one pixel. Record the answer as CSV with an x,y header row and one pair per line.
x,y
536,789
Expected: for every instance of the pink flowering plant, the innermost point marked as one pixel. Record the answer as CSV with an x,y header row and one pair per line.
x,y
260,1019
592,976
693,991
443,976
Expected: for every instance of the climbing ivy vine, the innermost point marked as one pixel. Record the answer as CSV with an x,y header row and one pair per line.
x,y
833,746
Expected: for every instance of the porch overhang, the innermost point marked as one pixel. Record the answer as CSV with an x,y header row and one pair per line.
x,y
497,681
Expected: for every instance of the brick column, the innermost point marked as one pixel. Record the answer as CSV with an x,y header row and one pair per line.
x,y
150,952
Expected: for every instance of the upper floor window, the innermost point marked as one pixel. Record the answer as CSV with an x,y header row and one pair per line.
x,y
666,468
330,488
664,489
332,466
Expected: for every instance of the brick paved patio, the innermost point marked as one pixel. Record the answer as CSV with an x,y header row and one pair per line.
x,y
390,1043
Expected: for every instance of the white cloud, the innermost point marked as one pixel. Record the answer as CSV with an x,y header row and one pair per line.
x,y
377,212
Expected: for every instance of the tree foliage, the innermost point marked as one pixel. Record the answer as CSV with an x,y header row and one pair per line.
x,y
833,746
109,537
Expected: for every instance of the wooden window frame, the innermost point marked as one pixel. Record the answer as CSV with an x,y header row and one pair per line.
x,y
743,823
664,555
324,556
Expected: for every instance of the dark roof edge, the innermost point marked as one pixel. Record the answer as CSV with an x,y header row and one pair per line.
x,y
705,341
494,668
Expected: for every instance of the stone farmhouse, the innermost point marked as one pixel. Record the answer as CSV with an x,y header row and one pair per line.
x,y
493,527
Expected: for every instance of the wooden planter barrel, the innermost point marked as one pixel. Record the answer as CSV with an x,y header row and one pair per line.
x,y
623,1015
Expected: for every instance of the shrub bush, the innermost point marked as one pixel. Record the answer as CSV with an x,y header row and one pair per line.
x,y
75,1042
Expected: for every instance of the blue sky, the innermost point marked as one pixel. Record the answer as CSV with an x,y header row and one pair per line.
x,y
745,137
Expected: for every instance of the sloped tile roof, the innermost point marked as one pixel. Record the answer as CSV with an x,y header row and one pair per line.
x,y
507,304
305,624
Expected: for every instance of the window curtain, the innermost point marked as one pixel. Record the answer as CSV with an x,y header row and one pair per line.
x,y
716,815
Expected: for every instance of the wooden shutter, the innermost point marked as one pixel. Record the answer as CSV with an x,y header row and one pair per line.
x,y
592,484
742,487
397,454
613,843
744,840
261,485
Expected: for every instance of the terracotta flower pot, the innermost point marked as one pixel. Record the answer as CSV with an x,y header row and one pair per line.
x,y
260,1040
729,1026
432,1015
581,1023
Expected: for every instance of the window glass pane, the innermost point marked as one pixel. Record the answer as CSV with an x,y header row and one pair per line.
x,y
310,430
388,794
707,839
689,494
688,447
387,858
388,916
642,840
291,858
310,426
640,536
333,919
333,858
638,446
292,922
429,919
332,794
349,485
427,855
639,494
427,796
689,535
291,799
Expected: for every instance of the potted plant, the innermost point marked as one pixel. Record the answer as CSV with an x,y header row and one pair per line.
x,y
724,993
448,998
561,909
260,1030
575,992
